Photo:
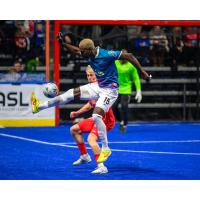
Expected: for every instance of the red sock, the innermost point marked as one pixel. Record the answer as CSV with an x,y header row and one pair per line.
x,y
96,156
82,148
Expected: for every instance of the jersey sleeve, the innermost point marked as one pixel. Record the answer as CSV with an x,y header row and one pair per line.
x,y
114,54
135,77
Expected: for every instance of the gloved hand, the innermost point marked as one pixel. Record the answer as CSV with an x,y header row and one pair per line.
x,y
138,96
60,38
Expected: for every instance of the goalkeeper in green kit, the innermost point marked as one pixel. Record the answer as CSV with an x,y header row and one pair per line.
x,y
127,75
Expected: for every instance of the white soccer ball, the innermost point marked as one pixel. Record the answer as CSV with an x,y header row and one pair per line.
x,y
50,90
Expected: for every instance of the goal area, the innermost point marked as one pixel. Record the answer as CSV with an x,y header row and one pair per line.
x,y
173,90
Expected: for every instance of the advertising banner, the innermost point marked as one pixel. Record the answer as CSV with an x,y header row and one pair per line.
x,y
15,106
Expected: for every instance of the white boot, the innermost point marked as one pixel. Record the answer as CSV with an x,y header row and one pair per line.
x,y
101,169
83,159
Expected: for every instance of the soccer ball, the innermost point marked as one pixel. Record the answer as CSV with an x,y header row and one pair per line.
x,y
50,90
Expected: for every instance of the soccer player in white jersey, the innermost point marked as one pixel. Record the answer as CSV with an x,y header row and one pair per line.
x,y
103,64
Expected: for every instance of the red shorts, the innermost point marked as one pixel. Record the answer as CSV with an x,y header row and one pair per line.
x,y
88,125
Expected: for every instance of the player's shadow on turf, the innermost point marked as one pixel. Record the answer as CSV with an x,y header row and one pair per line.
x,y
130,169
147,173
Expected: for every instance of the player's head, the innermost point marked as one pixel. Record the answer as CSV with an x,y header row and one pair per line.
x,y
90,74
124,51
87,48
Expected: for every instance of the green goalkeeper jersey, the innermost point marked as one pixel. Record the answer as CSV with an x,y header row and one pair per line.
x,y
127,74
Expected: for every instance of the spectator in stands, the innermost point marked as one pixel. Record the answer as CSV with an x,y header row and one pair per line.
x,y
8,31
142,45
39,41
16,68
159,45
190,45
1,40
176,46
29,26
32,64
22,42
14,72
127,75
132,33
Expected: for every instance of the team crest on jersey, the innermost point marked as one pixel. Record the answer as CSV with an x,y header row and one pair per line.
x,y
100,73
112,53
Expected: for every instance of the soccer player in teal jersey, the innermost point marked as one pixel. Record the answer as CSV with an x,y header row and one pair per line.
x,y
127,75
106,92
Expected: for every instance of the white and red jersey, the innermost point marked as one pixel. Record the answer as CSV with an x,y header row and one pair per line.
x,y
88,125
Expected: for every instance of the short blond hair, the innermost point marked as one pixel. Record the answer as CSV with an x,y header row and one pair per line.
x,y
86,44
89,69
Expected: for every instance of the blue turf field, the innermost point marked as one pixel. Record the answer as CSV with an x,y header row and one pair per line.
x,y
158,151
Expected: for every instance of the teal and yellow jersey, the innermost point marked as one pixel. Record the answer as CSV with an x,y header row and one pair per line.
x,y
127,75
104,67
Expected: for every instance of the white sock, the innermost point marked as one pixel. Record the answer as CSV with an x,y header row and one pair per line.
x,y
59,100
101,127
100,165
85,155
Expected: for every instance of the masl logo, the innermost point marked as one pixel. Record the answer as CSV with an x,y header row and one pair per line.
x,y
12,99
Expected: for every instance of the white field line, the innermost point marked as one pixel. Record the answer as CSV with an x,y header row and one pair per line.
x,y
147,142
116,150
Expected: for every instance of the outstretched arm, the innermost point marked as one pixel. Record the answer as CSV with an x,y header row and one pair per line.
x,y
84,109
71,48
136,80
133,60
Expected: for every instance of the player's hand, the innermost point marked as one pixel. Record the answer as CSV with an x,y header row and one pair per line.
x,y
73,114
60,38
138,96
146,76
